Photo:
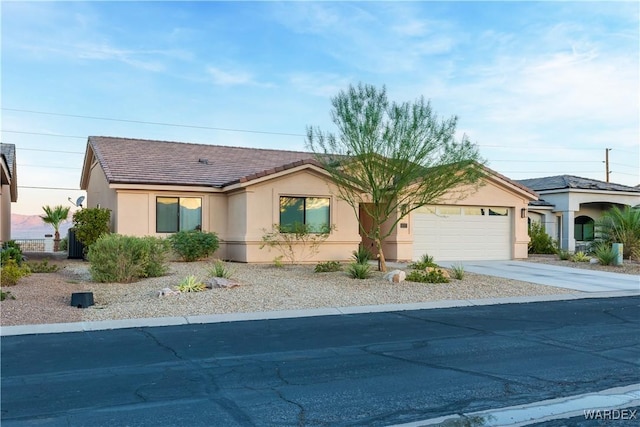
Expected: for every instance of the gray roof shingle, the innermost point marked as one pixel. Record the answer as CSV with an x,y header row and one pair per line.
x,y
560,182
141,161
9,153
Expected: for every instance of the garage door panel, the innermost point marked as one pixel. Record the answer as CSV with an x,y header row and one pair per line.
x,y
461,237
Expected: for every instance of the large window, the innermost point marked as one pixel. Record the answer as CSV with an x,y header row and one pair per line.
x,y
583,229
175,214
311,211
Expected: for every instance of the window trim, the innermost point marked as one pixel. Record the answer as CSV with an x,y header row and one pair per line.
x,y
178,198
304,212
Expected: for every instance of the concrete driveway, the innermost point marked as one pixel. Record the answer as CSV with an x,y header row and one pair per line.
x,y
553,275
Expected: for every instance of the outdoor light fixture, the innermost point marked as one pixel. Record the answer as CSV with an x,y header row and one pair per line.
x,y
523,213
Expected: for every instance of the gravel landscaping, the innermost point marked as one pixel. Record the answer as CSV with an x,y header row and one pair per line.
x,y
45,297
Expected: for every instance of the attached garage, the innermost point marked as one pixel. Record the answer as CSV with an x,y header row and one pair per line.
x,y
450,233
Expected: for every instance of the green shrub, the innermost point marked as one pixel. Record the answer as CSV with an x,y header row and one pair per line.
x,y
89,224
432,276
219,269
621,226
277,262
359,271
580,257
191,284
193,245
458,271
564,254
125,259
605,254
539,241
11,272
42,266
5,295
362,255
327,267
11,250
64,244
424,262
295,242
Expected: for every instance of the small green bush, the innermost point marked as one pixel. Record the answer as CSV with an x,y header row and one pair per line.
x,y
539,241
191,284
11,272
219,269
125,259
11,250
580,257
605,254
362,255
42,266
5,295
64,244
564,254
458,271
424,262
277,262
359,271
193,245
91,223
432,276
327,267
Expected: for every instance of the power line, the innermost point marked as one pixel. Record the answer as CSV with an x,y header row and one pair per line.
x,y
154,123
50,188
46,167
44,134
50,151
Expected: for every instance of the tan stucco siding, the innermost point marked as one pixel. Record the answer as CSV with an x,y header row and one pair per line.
x,y
99,194
5,213
133,216
263,210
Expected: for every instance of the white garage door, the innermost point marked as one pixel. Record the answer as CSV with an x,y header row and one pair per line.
x,y
450,233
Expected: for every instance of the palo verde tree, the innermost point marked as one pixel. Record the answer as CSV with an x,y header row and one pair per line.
x,y
388,159
55,216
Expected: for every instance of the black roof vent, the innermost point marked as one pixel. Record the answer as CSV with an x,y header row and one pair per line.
x,y
204,161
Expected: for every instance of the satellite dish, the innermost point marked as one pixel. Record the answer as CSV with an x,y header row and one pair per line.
x,y
79,201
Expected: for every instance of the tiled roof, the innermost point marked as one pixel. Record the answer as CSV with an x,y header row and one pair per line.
x,y
9,153
140,161
560,182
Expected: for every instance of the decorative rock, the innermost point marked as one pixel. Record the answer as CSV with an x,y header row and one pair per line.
x,y
221,282
395,276
165,292
442,271
593,261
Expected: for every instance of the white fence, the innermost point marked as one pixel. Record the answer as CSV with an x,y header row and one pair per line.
x,y
36,245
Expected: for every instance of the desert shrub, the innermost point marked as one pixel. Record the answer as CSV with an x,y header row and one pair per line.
x,y
42,266
564,254
359,271
621,226
327,267
124,259
191,284
539,241
277,262
5,295
458,271
11,250
297,242
362,255
11,272
424,262
64,244
91,223
432,276
193,245
605,254
219,269
580,257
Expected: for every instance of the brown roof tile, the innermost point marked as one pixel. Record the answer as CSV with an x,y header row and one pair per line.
x,y
140,161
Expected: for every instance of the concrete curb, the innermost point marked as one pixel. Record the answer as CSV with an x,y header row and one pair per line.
x,y
54,328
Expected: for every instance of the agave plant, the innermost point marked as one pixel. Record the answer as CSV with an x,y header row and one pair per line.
x,y
621,226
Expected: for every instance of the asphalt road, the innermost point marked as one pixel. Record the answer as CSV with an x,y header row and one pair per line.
x,y
367,369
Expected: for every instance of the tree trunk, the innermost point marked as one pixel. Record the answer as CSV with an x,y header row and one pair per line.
x,y
56,241
382,263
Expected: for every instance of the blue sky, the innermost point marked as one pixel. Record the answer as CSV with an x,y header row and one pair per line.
x,y
542,87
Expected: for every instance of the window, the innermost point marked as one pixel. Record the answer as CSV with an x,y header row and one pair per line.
x,y
583,228
473,211
175,214
498,211
311,211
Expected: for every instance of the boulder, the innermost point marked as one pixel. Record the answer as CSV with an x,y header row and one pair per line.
x,y
167,292
395,276
221,282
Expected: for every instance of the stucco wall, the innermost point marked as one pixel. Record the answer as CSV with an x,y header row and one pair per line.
x,y
99,194
5,213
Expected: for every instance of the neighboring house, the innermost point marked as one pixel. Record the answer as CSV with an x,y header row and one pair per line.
x,y
570,206
160,187
8,188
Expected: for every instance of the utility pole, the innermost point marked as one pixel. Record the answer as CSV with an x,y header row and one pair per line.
x,y
606,162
